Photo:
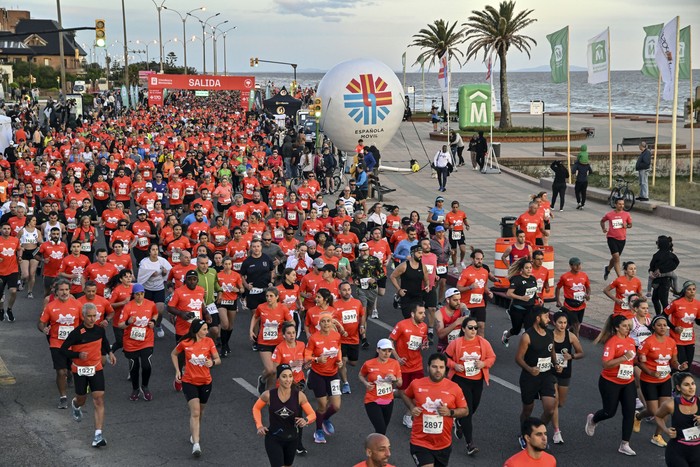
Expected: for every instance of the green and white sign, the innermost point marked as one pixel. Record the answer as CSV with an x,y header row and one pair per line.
x,y
201,93
475,105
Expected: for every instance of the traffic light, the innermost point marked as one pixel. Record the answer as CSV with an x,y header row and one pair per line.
x,y
100,35
316,108
256,61
252,62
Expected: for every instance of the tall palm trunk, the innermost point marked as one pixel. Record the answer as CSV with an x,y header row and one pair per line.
x,y
505,121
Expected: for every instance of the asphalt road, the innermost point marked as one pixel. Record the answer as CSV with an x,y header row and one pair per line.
x,y
34,432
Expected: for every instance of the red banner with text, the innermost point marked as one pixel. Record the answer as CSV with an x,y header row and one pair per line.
x,y
156,84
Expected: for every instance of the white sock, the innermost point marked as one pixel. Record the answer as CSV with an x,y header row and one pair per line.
x,y
98,432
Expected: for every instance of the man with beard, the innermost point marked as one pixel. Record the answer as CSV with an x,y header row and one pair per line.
x,y
434,402
473,285
534,432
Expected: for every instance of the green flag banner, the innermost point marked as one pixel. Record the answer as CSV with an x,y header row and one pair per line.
x,y
651,35
559,61
475,108
684,54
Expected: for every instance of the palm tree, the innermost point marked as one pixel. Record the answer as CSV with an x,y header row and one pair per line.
x,y
437,39
497,30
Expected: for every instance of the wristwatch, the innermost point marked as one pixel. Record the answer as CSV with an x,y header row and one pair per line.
x,y
452,413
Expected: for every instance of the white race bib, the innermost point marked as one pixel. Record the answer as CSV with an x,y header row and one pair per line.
x,y
63,332
544,364
470,368
220,238
686,334
476,298
335,387
663,370
143,241
692,433
617,223
349,316
580,296
429,268
255,291
531,227
212,309
364,283
71,225
456,235
453,335
383,388
159,195
292,215
270,333
432,424
561,361
137,333
77,280
441,269
625,371
346,248
175,257
85,247
86,371
530,292
415,342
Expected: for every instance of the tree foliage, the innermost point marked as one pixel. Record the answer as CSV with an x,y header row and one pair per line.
x,y
438,38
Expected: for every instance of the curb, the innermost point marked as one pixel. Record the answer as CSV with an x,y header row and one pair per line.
x,y
587,331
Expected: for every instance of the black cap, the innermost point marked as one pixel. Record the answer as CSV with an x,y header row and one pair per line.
x,y
191,273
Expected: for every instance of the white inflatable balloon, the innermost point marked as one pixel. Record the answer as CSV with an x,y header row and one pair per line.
x,y
361,98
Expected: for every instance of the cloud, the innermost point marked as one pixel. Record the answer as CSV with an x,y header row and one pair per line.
x,y
327,10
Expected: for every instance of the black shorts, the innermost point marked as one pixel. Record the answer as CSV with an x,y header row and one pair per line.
x,y
229,306
425,456
215,320
351,351
60,360
381,283
95,383
536,387
188,199
479,314
157,296
10,281
615,245
455,243
430,299
574,316
547,225
321,385
193,391
48,283
562,382
654,391
28,255
266,348
539,241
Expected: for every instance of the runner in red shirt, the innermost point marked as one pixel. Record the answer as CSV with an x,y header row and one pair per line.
x,y
73,268
10,254
682,313
101,271
473,286
380,376
532,223
59,318
618,221
378,451
266,329
231,285
577,291
105,312
351,315
434,402
624,286
534,432
199,351
119,259
52,253
187,304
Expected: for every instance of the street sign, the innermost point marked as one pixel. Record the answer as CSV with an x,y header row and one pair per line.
x,y
411,89
475,108
201,93
536,107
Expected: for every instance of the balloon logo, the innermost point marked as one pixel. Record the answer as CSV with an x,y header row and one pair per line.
x,y
361,99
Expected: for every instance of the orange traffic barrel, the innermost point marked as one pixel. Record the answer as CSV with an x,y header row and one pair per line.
x,y
500,270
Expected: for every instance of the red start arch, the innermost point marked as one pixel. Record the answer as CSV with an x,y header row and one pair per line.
x,y
156,84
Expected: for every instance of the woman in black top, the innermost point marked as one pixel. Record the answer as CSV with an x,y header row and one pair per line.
x,y
522,292
561,174
662,276
567,348
287,409
683,448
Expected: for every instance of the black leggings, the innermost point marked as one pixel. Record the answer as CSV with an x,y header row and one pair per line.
x,y
519,317
379,415
580,190
140,360
686,353
472,389
612,394
441,176
281,452
680,455
659,294
118,338
558,190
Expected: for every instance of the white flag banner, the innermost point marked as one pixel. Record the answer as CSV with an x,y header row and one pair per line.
x,y
665,56
598,58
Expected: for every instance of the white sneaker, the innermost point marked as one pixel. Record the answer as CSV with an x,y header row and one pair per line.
x,y
464,266
375,314
557,438
626,449
196,450
638,404
590,426
408,421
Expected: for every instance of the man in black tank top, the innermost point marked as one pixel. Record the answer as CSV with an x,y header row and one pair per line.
x,y
537,359
411,274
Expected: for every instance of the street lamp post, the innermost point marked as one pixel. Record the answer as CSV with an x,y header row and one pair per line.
x,y
60,43
126,58
184,32
204,50
213,35
160,31
146,44
224,34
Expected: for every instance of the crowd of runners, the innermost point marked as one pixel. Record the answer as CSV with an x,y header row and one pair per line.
x,y
189,214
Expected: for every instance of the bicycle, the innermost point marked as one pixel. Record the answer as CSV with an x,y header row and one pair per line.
x,y
621,190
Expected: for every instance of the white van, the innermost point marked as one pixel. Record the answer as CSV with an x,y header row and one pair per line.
x,y
79,87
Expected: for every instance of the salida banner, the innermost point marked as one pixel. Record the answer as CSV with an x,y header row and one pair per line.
x,y
156,84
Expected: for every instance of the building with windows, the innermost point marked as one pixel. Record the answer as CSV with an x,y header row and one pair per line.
x,y
23,39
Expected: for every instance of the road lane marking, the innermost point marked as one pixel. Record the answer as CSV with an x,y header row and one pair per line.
x,y
6,377
168,325
247,386
381,324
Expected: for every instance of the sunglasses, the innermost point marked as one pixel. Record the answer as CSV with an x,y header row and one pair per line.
x,y
472,328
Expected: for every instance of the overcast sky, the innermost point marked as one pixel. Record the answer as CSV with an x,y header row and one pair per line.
x,y
317,34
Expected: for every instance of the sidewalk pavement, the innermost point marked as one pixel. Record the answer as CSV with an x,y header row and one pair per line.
x,y
488,198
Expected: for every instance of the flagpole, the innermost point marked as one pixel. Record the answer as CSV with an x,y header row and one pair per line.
x,y
422,75
610,143
692,112
656,135
447,75
568,108
403,60
674,116
492,63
